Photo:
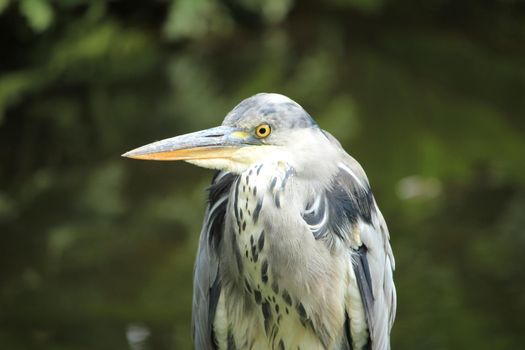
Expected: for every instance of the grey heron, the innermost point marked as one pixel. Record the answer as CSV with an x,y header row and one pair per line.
x,y
294,252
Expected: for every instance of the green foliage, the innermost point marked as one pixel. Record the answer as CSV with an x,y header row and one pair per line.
x,y
196,19
427,96
38,13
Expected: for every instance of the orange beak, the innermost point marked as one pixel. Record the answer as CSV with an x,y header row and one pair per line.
x,y
215,143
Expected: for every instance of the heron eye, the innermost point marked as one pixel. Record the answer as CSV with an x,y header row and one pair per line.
x,y
263,131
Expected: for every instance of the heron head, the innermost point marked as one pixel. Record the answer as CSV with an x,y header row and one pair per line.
x,y
263,127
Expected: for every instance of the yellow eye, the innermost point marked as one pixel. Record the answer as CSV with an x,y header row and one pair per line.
x,y
263,131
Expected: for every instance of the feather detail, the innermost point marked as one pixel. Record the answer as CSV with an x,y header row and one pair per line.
x,y
206,282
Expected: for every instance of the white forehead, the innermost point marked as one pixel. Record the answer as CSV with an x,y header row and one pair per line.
x,y
277,98
276,109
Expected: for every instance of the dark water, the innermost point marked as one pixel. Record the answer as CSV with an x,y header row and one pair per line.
x,y
96,251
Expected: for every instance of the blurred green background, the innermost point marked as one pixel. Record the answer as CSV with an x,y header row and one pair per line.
x,y
96,251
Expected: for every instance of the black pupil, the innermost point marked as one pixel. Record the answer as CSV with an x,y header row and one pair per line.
x,y
262,131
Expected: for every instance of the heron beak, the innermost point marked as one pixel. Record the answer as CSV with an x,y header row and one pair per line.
x,y
216,143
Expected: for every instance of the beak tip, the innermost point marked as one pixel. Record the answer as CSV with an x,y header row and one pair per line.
x,y
133,154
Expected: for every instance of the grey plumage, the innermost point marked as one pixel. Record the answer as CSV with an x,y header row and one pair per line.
x,y
294,252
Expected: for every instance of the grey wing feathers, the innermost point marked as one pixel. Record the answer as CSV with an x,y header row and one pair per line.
x,y
206,281
204,278
373,260
373,267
